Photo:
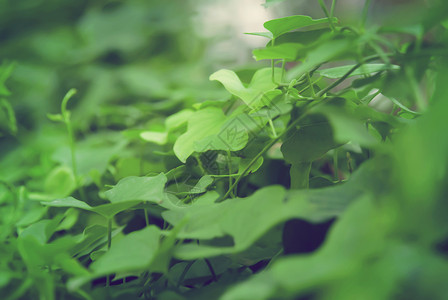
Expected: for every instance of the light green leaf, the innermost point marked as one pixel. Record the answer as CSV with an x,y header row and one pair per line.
x,y
203,123
159,138
176,120
246,220
323,53
342,255
347,127
201,186
309,142
366,69
287,51
287,24
263,34
134,252
60,182
146,189
255,95
106,210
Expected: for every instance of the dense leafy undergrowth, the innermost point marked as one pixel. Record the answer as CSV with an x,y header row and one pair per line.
x,y
320,176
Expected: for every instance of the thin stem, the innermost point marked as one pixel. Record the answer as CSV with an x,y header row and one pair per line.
x,y
184,272
146,216
318,96
109,233
273,64
415,89
109,244
324,8
311,84
365,12
283,70
229,166
210,267
333,4
271,124
66,119
349,163
336,166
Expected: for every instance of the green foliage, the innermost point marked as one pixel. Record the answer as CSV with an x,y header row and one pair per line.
x,y
321,176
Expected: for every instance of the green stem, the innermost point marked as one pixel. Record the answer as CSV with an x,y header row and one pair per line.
x,y
273,64
210,267
109,244
184,272
327,14
336,166
310,84
229,166
319,95
146,216
333,4
365,12
283,70
271,124
109,233
300,175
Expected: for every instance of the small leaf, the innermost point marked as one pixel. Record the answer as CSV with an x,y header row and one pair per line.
x,y
287,24
309,142
55,117
287,51
258,93
134,252
263,34
203,123
147,189
105,210
159,138
201,186
366,69
60,182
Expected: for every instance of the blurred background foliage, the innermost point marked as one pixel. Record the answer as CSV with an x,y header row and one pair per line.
x,y
134,63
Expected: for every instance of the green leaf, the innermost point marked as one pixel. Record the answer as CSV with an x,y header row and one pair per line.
x,y
309,142
263,34
269,3
159,138
324,52
347,126
246,220
283,25
287,51
343,254
106,210
60,182
145,189
8,112
366,69
255,95
5,72
245,162
202,124
134,252
201,186
176,120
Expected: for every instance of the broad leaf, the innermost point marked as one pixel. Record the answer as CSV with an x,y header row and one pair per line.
x,y
134,252
309,142
145,189
366,69
255,95
288,52
106,210
283,25
203,123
